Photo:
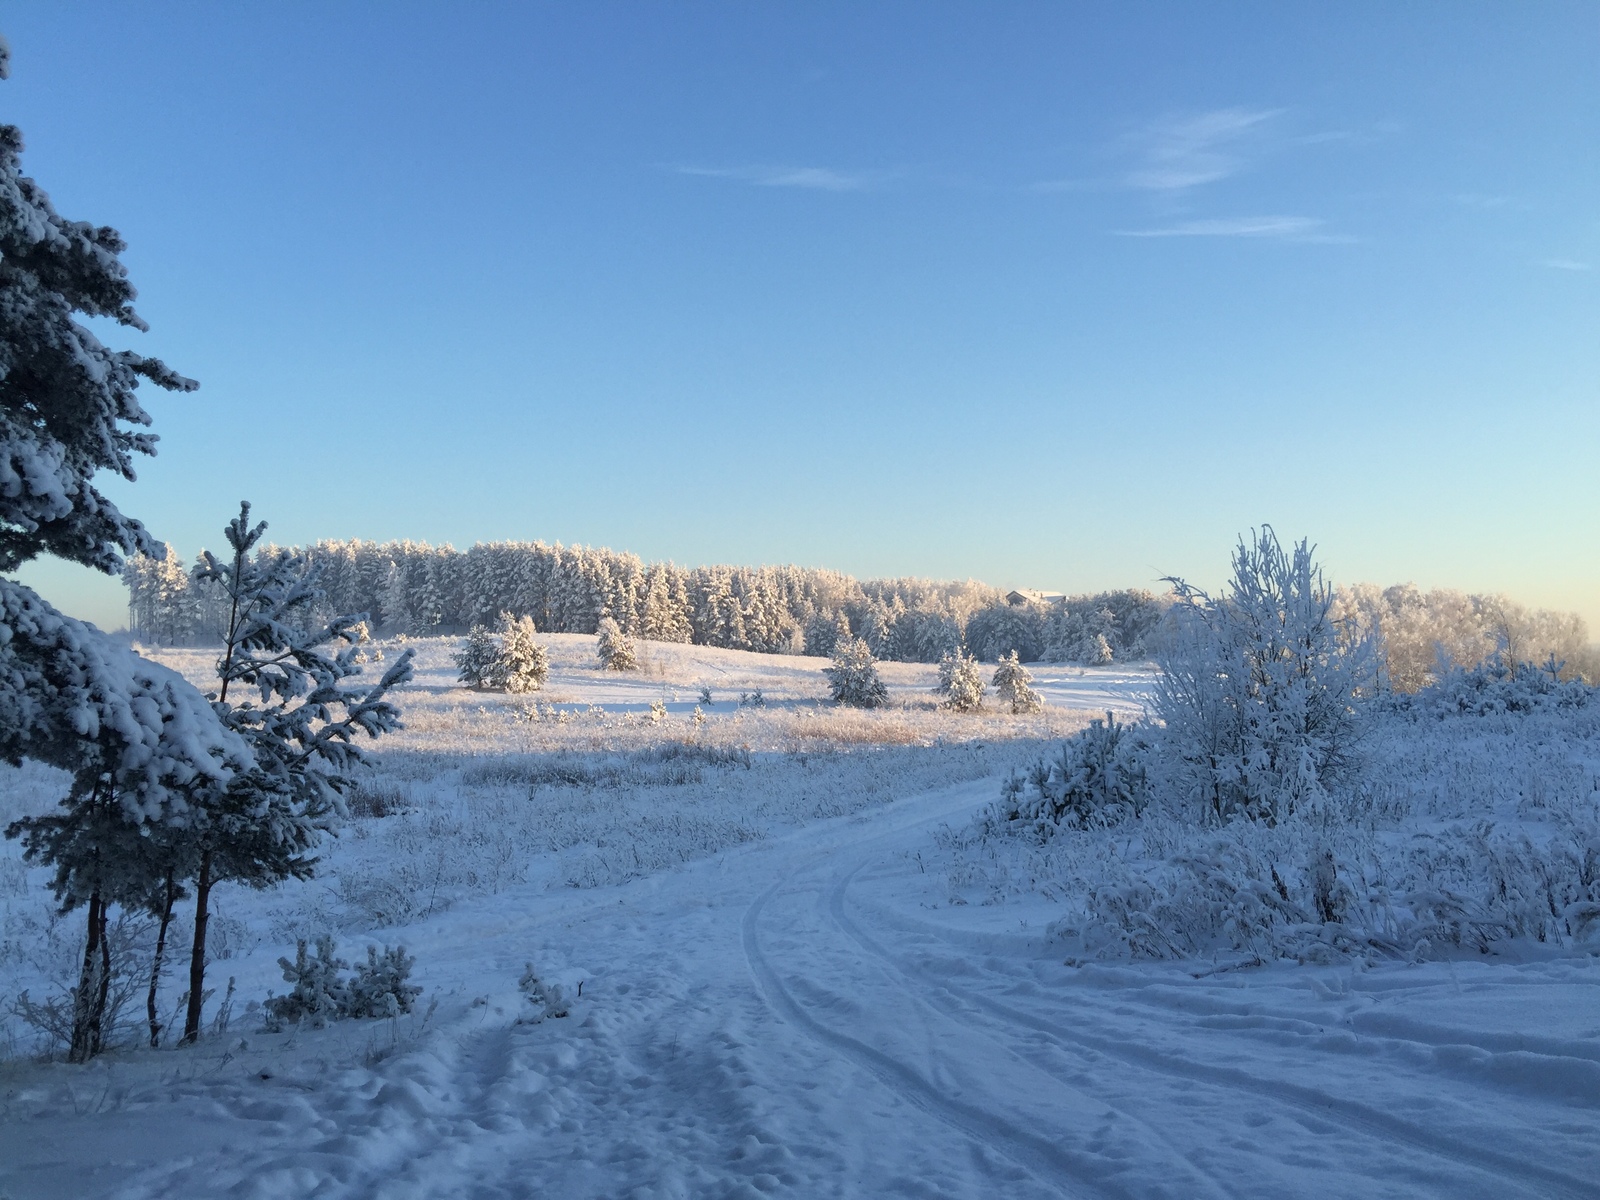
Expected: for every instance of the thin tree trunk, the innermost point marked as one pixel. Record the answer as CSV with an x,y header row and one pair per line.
x,y
169,898
197,956
99,1028
85,1019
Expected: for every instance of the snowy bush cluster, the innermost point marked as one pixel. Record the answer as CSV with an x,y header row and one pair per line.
x,y
1420,637
377,987
1285,804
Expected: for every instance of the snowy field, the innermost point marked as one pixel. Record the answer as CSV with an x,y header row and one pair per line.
x,y
796,969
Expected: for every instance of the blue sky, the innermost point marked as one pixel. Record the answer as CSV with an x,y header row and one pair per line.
x,y
1056,295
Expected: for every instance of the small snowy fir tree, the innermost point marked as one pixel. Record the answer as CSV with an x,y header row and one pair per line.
x,y
960,682
298,718
379,987
1013,683
520,665
614,647
318,994
853,676
476,657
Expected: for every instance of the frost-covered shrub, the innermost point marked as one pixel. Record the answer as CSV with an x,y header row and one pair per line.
x,y
1098,778
1258,687
1013,682
960,682
318,995
547,999
1493,687
615,648
378,988
853,676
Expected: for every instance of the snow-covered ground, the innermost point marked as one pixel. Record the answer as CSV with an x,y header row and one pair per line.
x,y
784,991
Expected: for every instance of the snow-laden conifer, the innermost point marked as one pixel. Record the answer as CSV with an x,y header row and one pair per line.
x,y
1013,682
68,403
291,704
137,739
615,648
476,658
853,676
520,664
960,682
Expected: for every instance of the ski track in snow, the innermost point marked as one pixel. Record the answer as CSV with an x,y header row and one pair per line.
x,y
762,1026
1502,1174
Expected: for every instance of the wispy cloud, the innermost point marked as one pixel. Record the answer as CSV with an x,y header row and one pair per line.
x,y
821,179
1566,264
1177,153
1285,229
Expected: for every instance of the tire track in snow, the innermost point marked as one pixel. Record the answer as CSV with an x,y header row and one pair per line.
x,y
1042,1158
1512,1173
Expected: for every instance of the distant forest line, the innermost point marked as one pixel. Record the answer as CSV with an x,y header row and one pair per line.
x,y
419,590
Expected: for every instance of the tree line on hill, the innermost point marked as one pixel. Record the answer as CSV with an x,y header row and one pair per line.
x,y
415,589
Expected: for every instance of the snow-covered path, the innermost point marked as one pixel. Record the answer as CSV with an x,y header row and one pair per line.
x,y
809,1016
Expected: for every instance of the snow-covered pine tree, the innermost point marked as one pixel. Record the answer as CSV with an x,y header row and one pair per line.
x,y
428,598
615,648
666,606
853,676
520,663
177,605
139,576
822,634
394,599
476,657
135,736
960,682
299,719
1014,683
